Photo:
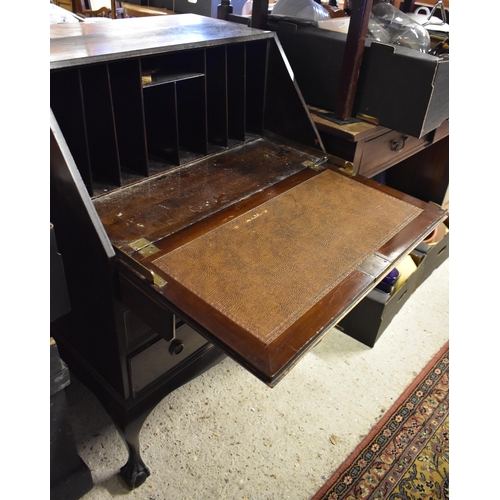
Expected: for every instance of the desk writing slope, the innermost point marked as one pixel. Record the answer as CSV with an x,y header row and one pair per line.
x,y
196,212
265,277
185,133
266,268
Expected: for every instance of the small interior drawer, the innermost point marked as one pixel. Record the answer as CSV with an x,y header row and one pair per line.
x,y
158,358
386,150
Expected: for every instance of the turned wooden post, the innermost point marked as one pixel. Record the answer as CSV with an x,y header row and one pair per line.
x,y
259,14
224,9
353,55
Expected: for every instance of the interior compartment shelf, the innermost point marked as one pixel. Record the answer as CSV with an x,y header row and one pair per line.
x,y
133,118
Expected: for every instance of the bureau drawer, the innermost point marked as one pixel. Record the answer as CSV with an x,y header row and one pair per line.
x,y
387,150
154,361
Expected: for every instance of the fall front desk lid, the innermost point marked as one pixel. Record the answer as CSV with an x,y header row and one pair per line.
x,y
266,277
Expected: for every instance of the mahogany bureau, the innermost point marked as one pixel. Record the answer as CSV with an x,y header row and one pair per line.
x,y
197,213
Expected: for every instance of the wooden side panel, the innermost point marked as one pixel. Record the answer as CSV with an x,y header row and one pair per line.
x,y
256,64
286,112
100,124
236,91
66,102
216,71
88,259
161,122
126,91
192,114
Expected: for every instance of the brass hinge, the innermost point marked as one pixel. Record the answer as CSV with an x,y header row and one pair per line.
x,y
344,166
144,247
315,165
150,275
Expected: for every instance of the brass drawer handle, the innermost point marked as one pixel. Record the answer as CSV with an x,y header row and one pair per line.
x,y
399,145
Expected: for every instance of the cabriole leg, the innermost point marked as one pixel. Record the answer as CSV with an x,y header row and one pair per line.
x,y
135,471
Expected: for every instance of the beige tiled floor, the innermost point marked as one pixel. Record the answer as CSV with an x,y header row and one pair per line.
x,y
226,435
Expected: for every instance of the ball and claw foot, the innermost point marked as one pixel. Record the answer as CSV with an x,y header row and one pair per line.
x,y
134,474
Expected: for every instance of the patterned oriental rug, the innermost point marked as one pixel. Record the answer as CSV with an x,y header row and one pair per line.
x,y
406,455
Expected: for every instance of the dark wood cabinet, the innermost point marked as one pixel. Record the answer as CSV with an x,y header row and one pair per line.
x,y
198,213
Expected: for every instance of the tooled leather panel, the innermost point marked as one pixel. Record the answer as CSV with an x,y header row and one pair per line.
x,y
266,268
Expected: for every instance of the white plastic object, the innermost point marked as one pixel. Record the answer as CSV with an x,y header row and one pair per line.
x,y
390,25
301,9
58,15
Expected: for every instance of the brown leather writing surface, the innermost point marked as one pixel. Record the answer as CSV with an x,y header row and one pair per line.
x,y
269,266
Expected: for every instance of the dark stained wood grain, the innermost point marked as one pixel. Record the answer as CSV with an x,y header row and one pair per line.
x,y
160,206
87,43
351,64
